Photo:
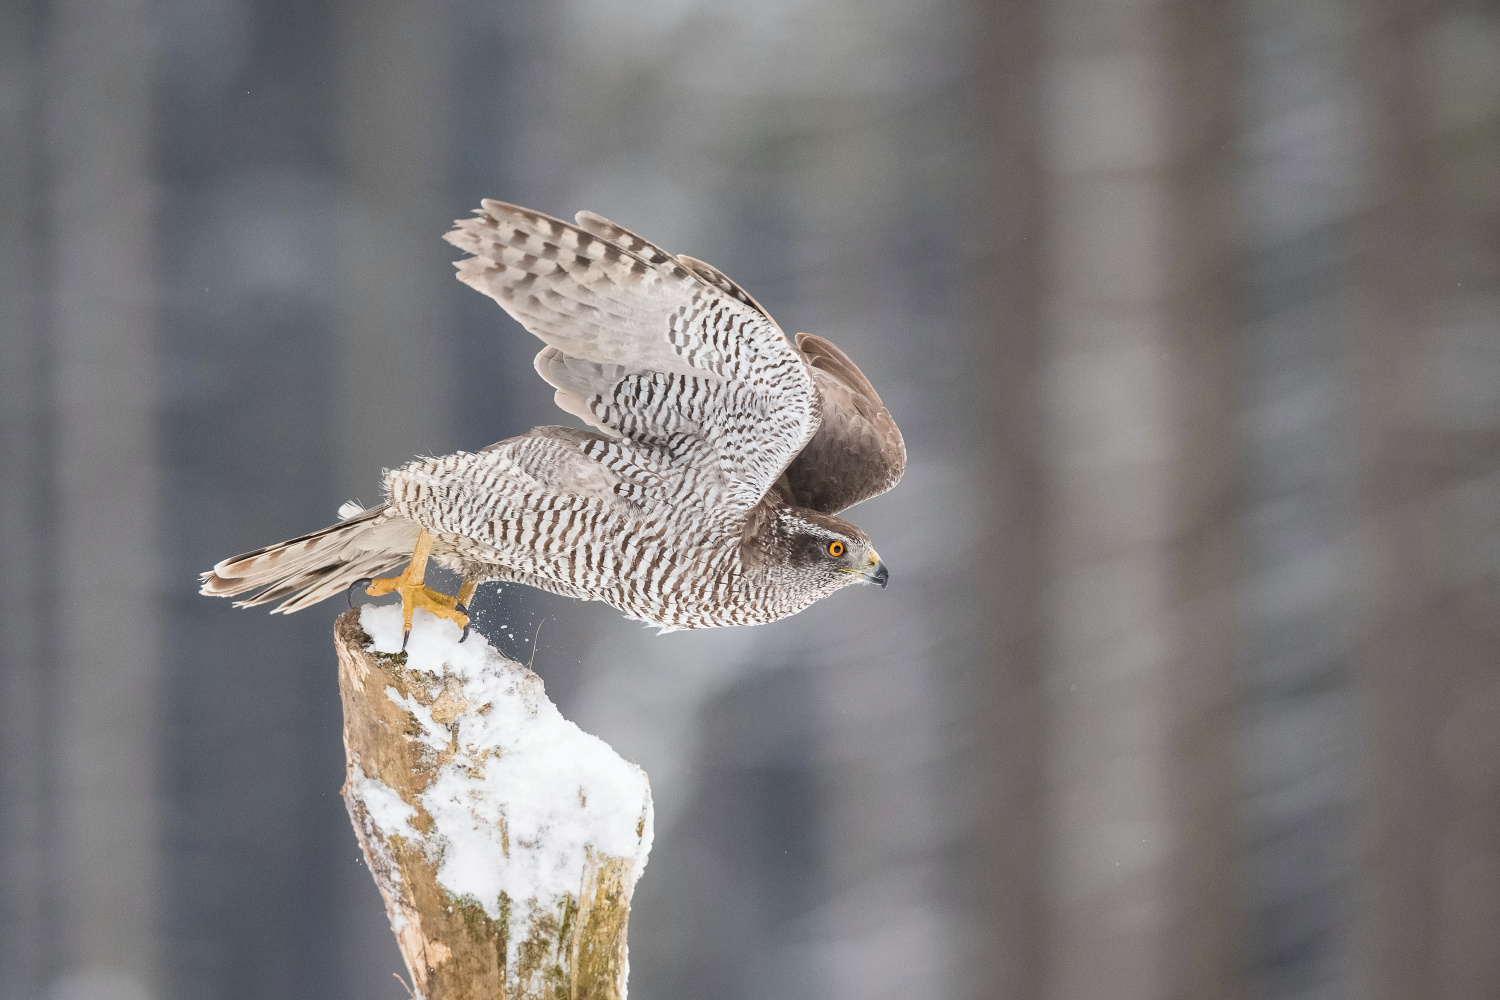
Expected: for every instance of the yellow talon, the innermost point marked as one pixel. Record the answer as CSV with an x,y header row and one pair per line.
x,y
416,594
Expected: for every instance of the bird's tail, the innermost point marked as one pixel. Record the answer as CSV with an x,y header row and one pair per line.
x,y
303,571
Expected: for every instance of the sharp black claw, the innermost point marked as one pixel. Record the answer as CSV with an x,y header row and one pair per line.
x,y
363,581
404,636
465,612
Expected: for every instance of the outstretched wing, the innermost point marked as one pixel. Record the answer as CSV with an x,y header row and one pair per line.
x,y
698,380
857,452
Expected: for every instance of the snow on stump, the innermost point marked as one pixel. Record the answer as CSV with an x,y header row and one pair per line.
x,y
505,840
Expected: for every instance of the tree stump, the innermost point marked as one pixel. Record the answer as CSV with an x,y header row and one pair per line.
x,y
505,840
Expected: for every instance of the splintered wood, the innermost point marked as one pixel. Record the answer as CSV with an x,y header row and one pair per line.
x,y
505,841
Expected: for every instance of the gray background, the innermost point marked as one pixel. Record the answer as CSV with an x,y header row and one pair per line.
x,y
1186,682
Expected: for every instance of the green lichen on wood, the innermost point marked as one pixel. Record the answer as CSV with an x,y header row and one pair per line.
x,y
599,956
542,958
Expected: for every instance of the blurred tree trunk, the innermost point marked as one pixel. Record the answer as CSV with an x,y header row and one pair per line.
x,y
1430,500
25,947
1131,544
1005,394
1209,961
100,130
1300,186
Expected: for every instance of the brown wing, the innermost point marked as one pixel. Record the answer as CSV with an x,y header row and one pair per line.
x,y
858,452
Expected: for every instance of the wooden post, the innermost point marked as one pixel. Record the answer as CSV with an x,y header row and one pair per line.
x,y
505,840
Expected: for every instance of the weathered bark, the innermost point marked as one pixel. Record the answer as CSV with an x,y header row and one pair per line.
x,y
397,713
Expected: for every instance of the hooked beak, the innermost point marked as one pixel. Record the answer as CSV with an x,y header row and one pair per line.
x,y
876,573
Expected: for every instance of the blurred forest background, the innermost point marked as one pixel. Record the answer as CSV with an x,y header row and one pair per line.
x,y
1187,684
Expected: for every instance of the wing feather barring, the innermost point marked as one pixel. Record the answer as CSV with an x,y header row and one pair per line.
x,y
703,491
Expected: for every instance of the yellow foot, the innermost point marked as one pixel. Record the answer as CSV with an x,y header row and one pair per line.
x,y
416,594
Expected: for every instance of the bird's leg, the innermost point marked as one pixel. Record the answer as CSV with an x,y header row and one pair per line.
x,y
416,594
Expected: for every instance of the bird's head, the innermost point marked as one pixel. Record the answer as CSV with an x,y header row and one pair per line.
x,y
827,552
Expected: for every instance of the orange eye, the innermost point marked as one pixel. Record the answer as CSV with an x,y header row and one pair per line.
x,y
835,549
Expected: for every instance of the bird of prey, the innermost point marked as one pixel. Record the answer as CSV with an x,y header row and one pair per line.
x,y
703,491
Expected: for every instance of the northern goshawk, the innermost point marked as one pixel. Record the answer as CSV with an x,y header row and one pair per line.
x,y
703,492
